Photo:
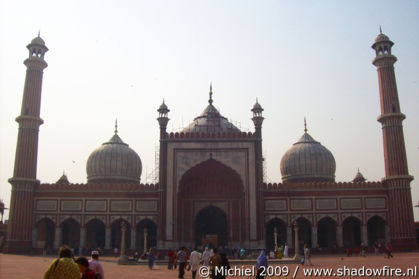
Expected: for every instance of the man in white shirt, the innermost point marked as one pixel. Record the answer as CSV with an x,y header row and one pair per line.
x,y
206,257
95,265
195,259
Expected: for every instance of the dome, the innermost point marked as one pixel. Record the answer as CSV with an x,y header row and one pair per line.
x,y
210,121
382,38
308,160
257,107
38,41
163,108
63,180
359,177
114,161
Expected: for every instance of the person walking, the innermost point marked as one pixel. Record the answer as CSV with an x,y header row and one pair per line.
x,y
181,260
171,259
262,264
95,265
206,257
388,249
115,251
286,250
214,262
224,264
151,258
195,259
307,255
64,267
86,273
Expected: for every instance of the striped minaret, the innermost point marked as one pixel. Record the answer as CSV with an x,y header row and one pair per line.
x,y
397,179
24,182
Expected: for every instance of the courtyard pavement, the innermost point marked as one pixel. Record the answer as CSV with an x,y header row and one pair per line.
x,y
31,267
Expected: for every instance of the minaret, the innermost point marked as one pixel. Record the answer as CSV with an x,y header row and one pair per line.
x,y
397,177
24,182
257,121
163,119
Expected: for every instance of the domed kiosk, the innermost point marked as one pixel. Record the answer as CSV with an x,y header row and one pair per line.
x,y
114,161
308,160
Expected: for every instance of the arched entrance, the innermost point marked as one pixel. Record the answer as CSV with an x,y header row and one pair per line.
x,y
207,191
351,232
95,234
281,229
376,227
326,233
211,227
71,233
45,233
116,234
151,228
304,232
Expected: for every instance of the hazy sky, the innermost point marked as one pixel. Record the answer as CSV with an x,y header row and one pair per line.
x,y
119,59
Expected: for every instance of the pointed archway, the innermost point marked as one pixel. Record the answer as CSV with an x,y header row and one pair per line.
x,y
45,234
149,228
95,234
116,234
351,232
281,230
304,232
376,228
326,233
210,183
211,224
71,233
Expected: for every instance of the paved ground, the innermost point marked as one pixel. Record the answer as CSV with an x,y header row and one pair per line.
x,y
31,267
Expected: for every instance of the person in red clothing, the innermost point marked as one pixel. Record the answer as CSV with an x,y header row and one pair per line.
x,y
171,258
84,268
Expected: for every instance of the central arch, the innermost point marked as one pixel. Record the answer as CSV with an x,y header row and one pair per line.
x,y
211,189
211,225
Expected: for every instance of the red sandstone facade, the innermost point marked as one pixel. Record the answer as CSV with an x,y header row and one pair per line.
x,y
211,186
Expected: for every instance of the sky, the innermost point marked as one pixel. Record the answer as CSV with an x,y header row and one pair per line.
x,y
118,59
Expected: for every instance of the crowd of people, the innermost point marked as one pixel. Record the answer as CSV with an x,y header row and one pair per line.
x,y
68,267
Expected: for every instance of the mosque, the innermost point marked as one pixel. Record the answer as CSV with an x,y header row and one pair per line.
x,y
210,187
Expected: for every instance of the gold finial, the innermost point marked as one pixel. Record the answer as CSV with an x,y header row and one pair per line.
x,y
305,125
116,126
210,94
381,31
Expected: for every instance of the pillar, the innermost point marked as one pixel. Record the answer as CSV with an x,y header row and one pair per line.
x,y
289,237
339,236
57,238
83,237
35,238
132,239
388,237
108,238
313,237
145,240
296,243
364,235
